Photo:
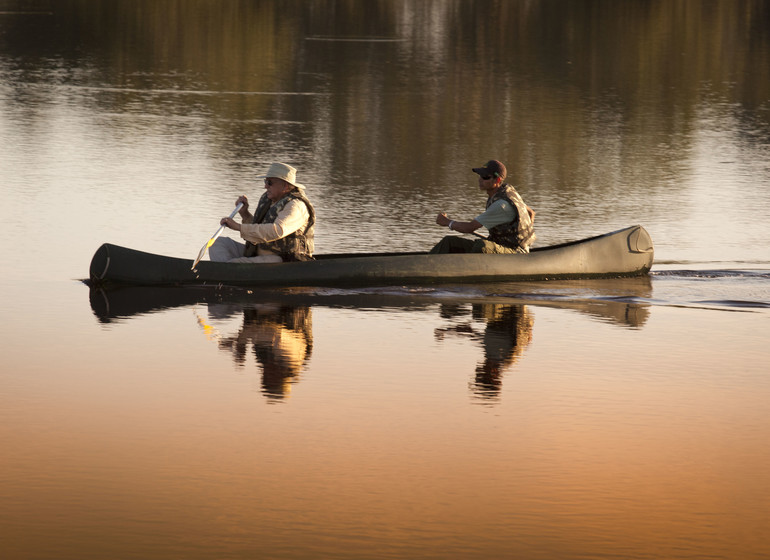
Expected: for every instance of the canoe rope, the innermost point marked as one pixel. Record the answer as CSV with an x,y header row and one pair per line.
x,y
106,266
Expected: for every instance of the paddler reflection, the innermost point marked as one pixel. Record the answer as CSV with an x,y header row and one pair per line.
x,y
507,332
281,338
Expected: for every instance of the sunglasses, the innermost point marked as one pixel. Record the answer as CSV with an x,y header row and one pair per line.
x,y
488,177
270,182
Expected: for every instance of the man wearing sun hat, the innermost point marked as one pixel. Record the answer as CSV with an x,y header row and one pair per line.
x,y
281,229
507,217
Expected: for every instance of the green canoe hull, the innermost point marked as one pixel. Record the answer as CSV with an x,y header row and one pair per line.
x,y
627,252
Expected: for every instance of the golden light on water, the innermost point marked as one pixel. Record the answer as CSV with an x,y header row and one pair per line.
x,y
620,418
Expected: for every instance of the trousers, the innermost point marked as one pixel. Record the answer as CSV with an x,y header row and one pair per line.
x,y
457,244
226,249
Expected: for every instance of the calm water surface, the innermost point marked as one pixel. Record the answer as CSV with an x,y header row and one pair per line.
x,y
621,418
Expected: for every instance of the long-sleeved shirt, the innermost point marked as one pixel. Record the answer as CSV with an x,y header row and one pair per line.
x,y
291,218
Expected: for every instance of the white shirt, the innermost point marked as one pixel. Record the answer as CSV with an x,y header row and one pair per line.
x,y
291,217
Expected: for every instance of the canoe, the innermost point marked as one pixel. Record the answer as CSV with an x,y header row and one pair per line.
x,y
626,252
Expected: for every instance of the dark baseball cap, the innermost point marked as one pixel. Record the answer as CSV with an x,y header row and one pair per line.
x,y
493,168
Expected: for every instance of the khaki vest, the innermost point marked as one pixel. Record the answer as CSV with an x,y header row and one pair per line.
x,y
297,246
518,234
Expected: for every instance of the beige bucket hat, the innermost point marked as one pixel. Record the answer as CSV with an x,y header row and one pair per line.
x,y
282,171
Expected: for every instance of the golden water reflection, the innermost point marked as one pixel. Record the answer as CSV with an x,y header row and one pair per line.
x,y
275,333
280,338
616,436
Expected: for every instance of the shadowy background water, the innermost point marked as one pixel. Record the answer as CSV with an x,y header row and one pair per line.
x,y
621,418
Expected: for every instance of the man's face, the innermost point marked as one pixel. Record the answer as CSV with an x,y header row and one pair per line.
x,y
487,182
276,188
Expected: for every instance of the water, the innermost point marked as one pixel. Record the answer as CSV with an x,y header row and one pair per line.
x,y
620,418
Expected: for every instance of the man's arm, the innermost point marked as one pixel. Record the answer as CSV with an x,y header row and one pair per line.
x,y
499,212
455,225
292,217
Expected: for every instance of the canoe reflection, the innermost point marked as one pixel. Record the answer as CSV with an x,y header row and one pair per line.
x,y
507,331
276,327
280,337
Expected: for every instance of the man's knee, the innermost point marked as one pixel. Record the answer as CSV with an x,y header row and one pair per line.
x,y
452,244
225,249
492,248
260,259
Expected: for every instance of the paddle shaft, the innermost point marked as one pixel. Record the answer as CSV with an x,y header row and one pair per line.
x,y
222,227
210,242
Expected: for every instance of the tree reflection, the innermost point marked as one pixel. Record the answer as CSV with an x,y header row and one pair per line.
x,y
281,338
507,332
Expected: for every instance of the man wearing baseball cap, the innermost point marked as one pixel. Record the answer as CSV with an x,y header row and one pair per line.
x,y
507,217
281,229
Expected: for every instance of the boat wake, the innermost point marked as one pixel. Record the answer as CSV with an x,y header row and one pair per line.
x,y
718,273
719,289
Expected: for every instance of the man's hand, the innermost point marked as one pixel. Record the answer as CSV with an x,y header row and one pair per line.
x,y
229,222
442,219
245,209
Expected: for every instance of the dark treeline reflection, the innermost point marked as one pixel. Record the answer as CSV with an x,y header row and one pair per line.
x,y
571,95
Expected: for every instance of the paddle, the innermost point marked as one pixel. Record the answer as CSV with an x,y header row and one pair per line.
x,y
210,242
